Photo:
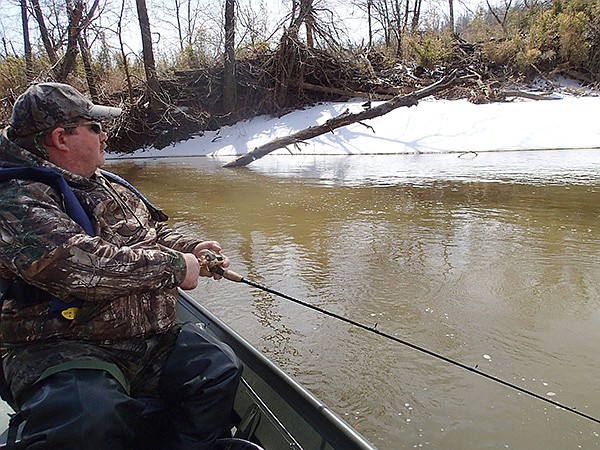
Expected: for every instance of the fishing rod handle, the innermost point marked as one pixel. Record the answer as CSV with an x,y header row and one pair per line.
x,y
213,262
226,273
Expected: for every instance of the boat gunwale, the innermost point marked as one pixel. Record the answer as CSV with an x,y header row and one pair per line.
x,y
334,430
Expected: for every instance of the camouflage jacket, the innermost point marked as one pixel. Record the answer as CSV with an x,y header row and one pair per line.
x,y
126,274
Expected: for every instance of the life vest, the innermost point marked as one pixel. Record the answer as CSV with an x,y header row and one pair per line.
x,y
57,306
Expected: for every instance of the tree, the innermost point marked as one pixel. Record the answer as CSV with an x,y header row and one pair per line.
x,y
497,12
84,48
186,18
123,52
416,15
153,88
26,42
73,33
303,13
62,58
44,34
392,16
229,81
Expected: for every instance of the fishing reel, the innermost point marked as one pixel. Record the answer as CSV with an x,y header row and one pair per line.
x,y
211,260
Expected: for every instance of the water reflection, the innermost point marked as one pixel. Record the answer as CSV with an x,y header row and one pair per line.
x,y
531,167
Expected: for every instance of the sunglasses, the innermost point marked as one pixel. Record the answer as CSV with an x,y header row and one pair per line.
x,y
96,127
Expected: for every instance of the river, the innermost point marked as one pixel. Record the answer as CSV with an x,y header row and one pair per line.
x,y
491,260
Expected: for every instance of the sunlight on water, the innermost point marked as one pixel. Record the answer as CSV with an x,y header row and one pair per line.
x,y
536,167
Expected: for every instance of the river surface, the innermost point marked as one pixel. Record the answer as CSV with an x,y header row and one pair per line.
x,y
491,260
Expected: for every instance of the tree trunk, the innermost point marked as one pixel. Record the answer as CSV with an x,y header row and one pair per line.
x,y
86,55
149,64
179,27
416,15
342,120
86,58
304,16
400,29
229,79
39,17
29,73
310,38
73,33
451,16
123,53
370,23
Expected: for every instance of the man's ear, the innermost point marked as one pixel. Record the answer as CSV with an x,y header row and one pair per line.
x,y
56,138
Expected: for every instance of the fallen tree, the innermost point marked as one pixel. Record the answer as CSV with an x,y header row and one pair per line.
x,y
347,118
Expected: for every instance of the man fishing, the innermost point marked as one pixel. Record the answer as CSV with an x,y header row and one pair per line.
x,y
89,275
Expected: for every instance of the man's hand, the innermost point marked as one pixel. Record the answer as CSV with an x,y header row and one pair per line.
x,y
215,247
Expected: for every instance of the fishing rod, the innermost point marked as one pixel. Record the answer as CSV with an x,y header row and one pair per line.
x,y
213,262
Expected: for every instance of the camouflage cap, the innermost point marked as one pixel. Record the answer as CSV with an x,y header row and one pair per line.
x,y
47,105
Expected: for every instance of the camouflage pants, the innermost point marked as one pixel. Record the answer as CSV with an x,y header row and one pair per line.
x,y
140,360
89,409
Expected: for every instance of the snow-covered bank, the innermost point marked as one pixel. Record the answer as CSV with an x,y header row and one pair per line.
x,y
433,126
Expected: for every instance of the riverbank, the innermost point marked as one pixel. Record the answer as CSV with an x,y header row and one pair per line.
x,y
433,126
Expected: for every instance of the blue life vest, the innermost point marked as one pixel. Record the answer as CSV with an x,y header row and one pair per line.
x,y
58,307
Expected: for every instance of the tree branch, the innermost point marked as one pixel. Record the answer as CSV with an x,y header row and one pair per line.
x,y
346,118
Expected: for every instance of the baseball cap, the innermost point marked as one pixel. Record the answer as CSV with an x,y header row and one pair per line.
x,y
47,105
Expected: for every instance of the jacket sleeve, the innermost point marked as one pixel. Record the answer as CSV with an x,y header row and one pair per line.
x,y
174,239
40,243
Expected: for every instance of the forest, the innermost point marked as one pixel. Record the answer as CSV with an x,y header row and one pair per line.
x,y
203,64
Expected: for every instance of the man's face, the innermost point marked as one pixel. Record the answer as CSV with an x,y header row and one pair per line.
x,y
86,142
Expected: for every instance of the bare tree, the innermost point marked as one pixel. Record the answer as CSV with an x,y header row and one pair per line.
x,y
123,52
416,17
370,22
178,20
44,34
63,51
26,42
303,13
391,18
153,85
500,11
73,32
84,48
187,30
252,24
229,81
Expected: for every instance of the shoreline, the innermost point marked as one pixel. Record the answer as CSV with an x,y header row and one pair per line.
x,y
431,127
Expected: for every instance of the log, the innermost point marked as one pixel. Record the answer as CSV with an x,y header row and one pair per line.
x,y
344,119
528,95
377,95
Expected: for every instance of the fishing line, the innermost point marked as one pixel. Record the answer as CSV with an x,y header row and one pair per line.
x,y
232,276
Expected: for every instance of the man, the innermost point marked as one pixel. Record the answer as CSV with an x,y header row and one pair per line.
x,y
89,291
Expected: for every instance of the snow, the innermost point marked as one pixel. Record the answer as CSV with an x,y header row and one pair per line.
x,y
433,126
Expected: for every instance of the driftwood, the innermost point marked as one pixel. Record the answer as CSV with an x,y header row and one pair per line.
x,y
529,95
344,119
382,94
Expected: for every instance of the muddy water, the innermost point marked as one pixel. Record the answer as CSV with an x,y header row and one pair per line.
x,y
490,260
